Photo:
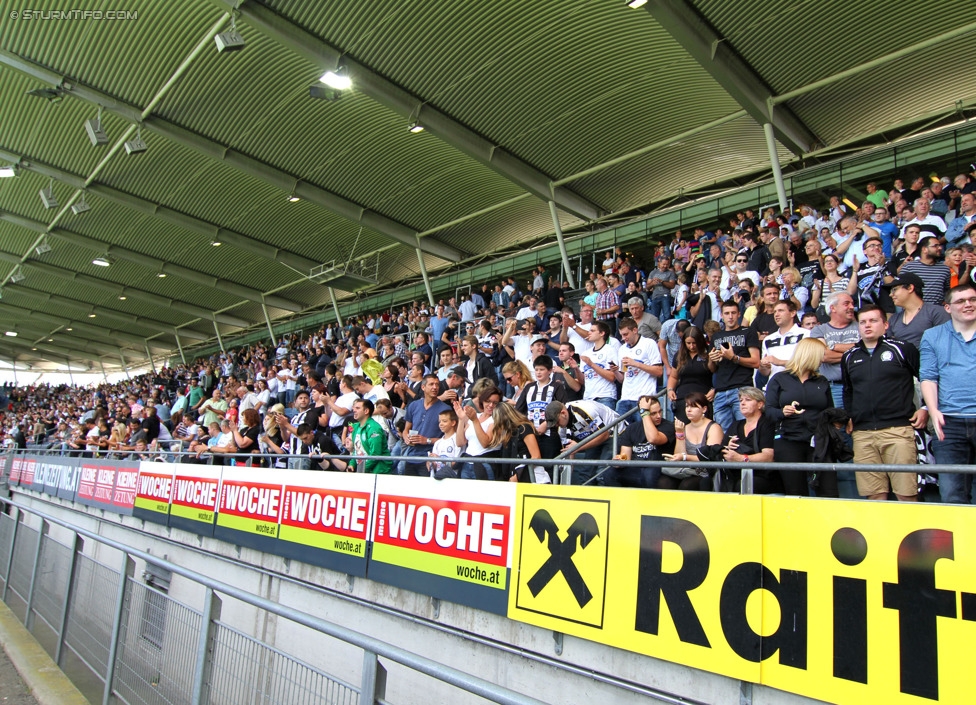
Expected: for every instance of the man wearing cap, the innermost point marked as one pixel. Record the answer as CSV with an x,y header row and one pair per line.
x,y
924,218
948,367
576,420
660,282
934,274
648,325
915,315
455,387
523,345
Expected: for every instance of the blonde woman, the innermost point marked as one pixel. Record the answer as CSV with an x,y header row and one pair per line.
x,y
795,398
516,374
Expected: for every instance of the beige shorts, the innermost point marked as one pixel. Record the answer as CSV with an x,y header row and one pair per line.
x,y
895,446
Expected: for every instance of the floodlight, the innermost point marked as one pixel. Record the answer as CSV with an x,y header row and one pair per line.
x,y
11,334
636,3
230,40
416,127
337,79
17,275
47,196
216,243
94,129
102,262
44,246
79,207
137,145
323,92
292,198
9,171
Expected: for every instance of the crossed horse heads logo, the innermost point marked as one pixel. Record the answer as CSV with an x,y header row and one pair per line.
x,y
583,529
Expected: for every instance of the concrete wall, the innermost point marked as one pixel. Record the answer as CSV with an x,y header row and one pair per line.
x,y
515,655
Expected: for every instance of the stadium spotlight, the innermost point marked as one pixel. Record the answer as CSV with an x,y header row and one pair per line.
x,y
636,3
9,171
43,246
17,275
94,129
78,208
321,92
216,243
230,40
102,262
47,196
337,79
137,145
416,127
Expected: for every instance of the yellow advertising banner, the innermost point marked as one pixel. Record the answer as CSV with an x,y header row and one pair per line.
x,y
888,594
643,571
843,601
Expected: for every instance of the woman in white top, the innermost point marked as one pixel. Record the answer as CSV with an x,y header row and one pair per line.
x,y
474,435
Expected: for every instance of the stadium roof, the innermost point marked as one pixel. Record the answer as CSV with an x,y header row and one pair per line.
x,y
601,108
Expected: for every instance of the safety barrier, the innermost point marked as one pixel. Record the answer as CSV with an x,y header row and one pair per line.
x,y
111,623
600,563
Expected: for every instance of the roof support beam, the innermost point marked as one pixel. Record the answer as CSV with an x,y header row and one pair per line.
x,y
173,217
875,63
125,318
260,170
401,102
79,352
97,332
732,73
157,265
118,290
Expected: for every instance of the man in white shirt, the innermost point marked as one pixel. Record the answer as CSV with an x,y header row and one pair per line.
x,y
575,332
640,366
929,222
732,276
246,399
600,367
778,347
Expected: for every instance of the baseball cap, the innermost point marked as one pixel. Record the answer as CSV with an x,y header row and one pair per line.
x,y
460,371
924,240
908,279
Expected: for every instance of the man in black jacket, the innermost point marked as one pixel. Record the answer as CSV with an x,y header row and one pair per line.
x,y
879,392
476,363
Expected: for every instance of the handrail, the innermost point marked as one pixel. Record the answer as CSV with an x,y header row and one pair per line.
x,y
707,464
421,664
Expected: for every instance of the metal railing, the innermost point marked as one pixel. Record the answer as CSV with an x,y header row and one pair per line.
x,y
148,649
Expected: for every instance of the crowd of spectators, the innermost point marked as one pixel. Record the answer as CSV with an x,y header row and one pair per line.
x,y
831,332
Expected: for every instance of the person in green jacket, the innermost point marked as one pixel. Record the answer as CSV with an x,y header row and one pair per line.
x,y
368,438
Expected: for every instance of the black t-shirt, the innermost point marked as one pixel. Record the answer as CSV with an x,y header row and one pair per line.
x,y
693,377
729,374
810,271
763,323
634,438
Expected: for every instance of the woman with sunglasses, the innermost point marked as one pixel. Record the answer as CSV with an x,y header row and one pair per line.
x,y
832,282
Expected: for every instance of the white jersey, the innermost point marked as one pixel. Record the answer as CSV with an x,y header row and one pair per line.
x,y
596,386
445,448
783,345
637,382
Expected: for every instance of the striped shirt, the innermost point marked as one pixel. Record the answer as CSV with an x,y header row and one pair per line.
x,y
935,279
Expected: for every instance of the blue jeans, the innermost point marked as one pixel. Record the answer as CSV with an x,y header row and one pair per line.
x,y
608,402
726,408
837,393
644,477
660,307
477,470
958,448
582,473
625,405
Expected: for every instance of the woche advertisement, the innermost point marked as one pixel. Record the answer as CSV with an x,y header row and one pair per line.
x,y
451,539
